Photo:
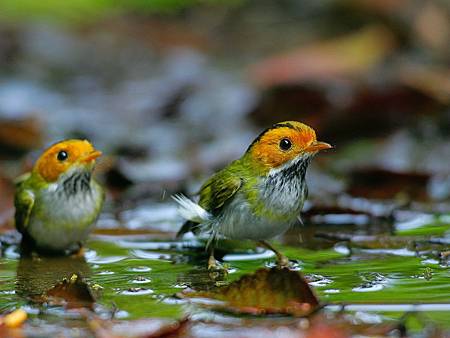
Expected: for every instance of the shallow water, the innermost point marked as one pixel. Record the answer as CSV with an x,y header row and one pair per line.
x,y
139,273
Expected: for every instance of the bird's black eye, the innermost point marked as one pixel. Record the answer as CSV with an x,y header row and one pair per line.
x,y
285,144
62,156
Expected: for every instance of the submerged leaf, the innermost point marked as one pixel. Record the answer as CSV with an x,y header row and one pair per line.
x,y
266,291
72,292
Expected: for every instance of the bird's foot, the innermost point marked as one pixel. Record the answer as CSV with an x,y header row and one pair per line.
x,y
283,262
79,253
216,270
214,265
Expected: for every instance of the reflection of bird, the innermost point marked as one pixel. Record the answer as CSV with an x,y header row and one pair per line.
x,y
35,276
57,203
260,195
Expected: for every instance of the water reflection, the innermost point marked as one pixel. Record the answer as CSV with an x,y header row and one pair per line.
x,y
314,236
266,291
36,275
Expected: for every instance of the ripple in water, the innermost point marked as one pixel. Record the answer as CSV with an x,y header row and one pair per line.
x,y
105,272
140,269
106,260
136,292
248,256
140,280
150,255
319,280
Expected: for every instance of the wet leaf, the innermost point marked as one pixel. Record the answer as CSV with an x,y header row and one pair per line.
x,y
265,292
71,292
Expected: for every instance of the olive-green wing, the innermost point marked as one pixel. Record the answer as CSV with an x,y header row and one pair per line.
x,y
24,202
219,189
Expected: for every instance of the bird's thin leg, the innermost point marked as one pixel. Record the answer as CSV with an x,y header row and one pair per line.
x,y
79,252
212,263
283,261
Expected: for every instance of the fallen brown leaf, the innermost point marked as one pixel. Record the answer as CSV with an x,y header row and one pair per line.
x,y
350,55
274,291
71,292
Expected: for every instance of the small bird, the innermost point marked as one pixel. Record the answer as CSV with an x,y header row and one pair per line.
x,y
258,196
58,201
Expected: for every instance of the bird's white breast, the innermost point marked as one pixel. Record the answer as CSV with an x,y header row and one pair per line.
x,y
239,221
281,196
60,221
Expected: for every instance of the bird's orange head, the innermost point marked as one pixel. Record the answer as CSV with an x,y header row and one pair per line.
x,y
62,156
284,142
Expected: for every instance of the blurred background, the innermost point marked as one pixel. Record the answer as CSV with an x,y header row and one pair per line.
x,y
172,90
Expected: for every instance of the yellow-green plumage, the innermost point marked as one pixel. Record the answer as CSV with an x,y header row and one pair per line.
x,y
52,220
260,195
58,202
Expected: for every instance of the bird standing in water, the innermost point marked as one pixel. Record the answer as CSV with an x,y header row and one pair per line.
x,y
58,201
258,196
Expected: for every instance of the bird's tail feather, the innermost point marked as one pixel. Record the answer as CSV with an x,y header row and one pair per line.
x,y
190,210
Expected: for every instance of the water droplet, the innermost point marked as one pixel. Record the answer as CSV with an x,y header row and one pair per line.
x,y
180,286
375,287
397,252
318,280
12,252
106,260
342,249
249,256
430,261
140,269
136,292
140,280
150,255
105,272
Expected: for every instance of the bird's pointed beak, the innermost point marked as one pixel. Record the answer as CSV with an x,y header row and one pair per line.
x,y
317,146
91,156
